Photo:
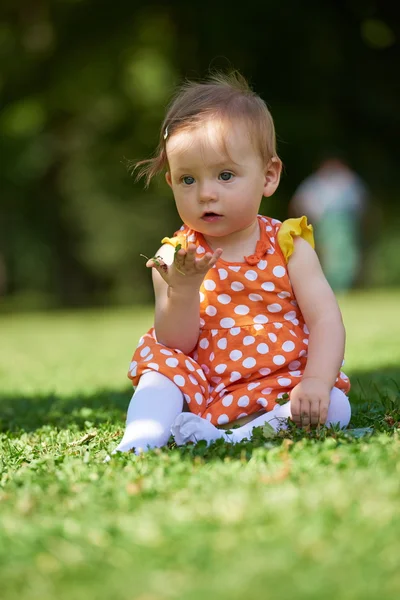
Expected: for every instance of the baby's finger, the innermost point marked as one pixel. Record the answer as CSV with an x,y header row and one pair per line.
x,y
305,409
190,255
315,412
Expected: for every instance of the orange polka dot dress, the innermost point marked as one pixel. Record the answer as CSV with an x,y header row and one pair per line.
x,y
252,346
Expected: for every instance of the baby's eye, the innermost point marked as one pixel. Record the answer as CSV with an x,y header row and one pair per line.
x,y
226,176
188,180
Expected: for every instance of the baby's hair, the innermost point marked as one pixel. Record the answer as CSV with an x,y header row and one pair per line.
x,y
221,96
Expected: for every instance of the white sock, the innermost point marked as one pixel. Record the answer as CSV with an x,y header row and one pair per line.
x,y
191,428
154,406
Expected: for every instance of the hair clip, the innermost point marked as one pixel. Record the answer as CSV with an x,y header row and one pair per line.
x,y
166,133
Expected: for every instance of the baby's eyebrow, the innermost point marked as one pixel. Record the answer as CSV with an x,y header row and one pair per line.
x,y
219,165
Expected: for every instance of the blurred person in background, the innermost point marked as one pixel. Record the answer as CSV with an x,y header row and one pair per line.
x,y
334,199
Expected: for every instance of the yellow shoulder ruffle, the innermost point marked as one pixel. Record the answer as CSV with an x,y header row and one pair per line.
x,y
174,241
293,228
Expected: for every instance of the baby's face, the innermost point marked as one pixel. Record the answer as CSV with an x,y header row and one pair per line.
x,y
207,177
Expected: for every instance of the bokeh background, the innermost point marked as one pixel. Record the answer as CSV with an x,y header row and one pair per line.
x,y
84,85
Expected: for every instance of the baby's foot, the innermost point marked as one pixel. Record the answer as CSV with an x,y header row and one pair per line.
x,y
188,427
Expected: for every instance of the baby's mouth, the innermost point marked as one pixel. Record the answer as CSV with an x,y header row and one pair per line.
x,y
210,214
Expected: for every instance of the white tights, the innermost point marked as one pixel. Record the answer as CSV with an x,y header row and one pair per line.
x,y
155,411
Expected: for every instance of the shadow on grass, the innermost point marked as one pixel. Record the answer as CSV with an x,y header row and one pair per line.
x,y
26,413
374,392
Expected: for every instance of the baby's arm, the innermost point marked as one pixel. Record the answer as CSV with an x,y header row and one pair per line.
x,y
323,318
176,289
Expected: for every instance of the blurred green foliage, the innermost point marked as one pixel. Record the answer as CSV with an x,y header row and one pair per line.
x,y
84,85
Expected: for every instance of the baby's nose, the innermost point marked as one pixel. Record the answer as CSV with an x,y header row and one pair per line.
x,y
207,192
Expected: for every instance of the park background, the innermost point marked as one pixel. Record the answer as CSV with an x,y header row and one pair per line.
x,y
84,85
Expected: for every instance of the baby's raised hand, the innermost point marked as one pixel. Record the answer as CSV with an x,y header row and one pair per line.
x,y
309,402
186,269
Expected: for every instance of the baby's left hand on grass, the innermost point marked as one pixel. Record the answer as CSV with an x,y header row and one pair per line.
x,y
309,402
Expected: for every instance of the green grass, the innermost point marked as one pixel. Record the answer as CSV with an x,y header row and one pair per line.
x,y
302,516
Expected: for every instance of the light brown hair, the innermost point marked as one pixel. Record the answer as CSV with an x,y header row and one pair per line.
x,y
222,96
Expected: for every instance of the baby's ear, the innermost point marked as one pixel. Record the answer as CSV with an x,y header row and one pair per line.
x,y
168,178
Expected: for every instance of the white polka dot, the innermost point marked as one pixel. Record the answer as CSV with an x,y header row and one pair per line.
x,y
344,377
295,373
255,297
202,322
133,368
292,333
220,368
268,286
222,343
209,284
179,380
193,379
295,321
279,360
167,352
243,401
189,365
150,357
234,331
262,348
264,371
200,372
223,274
279,271
302,353
234,268
262,264
211,311
202,296
266,391
272,337
249,362
172,362
284,381
145,351
200,249
227,323
274,308
153,366
283,295
290,315
219,387
242,309
222,419
294,365
305,342
235,354
140,342
242,414
278,325
260,319
208,417
224,298
305,329
235,375
262,402
187,398
227,400
253,385
198,397
204,343
237,286
258,327
288,346
215,379
211,357
251,275
248,339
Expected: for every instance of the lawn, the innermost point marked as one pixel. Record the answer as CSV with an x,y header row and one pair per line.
x,y
302,516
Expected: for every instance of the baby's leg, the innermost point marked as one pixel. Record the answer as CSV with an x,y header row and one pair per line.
x,y
191,428
154,406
